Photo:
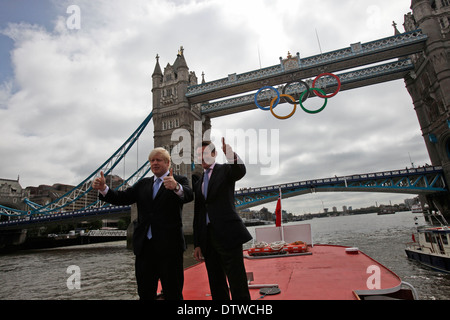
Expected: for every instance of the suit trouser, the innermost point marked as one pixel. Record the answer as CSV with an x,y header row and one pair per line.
x,y
222,263
154,264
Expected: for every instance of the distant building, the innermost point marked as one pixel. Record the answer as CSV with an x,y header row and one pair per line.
x,y
12,194
45,194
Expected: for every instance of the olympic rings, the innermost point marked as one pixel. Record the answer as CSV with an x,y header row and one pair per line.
x,y
302,98
290,114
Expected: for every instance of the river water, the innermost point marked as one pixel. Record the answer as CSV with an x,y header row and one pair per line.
x,y
106,270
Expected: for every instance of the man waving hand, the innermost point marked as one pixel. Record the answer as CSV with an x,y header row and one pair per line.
x,y
218,230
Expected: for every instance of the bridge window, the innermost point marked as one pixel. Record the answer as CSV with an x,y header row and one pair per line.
x,y
447,146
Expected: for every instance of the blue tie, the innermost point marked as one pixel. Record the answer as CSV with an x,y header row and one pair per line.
x,y
205,189
156,186
205,182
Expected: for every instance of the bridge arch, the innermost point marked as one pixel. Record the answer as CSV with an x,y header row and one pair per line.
x,y
419,181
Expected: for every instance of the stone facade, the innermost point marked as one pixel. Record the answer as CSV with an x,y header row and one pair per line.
x,y
12,194
429,85
172,111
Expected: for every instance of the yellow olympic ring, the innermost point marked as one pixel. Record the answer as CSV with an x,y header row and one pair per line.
x,y
290,114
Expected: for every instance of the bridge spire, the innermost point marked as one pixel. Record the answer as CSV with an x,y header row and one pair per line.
x,y
157,70
396,32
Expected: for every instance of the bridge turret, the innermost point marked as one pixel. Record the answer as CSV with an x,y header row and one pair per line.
x,y
172,111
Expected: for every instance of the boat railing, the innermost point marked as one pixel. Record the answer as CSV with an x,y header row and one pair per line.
x,y
414,246
413,290
300,232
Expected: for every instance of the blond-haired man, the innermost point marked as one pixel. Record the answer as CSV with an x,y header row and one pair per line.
x,y
158,239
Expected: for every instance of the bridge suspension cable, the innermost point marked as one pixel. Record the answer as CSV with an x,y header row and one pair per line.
x,y
86,185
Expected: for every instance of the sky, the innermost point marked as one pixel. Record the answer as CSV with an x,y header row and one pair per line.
x,y
75,84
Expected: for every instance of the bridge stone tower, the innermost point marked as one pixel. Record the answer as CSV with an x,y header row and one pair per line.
x,y
429,86
172,111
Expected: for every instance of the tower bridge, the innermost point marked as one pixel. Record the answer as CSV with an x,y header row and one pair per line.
x,y
420,56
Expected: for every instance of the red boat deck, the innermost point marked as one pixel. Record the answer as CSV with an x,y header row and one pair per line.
x,y
327,272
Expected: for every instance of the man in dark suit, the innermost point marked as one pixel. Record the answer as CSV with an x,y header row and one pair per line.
x,y
218,230
158,239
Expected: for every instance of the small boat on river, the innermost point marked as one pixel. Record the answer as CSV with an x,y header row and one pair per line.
x,y
430,247
386,210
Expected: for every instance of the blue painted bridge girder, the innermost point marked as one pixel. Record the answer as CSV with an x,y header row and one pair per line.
x,y
407,181
38,220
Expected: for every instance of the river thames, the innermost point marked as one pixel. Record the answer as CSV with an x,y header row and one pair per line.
x,y
107,269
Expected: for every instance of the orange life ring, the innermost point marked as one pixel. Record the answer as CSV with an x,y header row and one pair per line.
x,y
263,248
263,251
296,247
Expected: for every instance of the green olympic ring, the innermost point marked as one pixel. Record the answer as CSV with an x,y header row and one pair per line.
x,y
313,111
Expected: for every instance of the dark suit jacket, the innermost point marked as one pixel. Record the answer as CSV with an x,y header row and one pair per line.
x,y
163,213
228,226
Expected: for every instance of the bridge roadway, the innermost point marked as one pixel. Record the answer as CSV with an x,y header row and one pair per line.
x,y
409,181
92,214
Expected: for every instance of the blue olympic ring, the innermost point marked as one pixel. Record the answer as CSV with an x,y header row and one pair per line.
x,y
267,87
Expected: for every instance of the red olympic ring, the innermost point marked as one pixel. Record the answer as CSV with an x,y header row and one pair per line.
x,y
330,95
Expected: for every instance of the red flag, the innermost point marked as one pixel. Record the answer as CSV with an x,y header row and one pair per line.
x,y
278,212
